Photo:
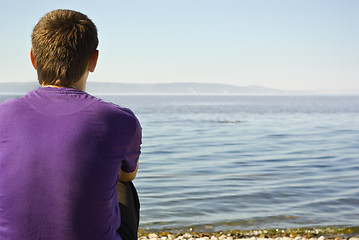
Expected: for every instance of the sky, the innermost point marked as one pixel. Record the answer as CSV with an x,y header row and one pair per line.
x,y
281,44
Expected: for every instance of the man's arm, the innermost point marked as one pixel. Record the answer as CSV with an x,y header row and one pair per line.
x,y
128,177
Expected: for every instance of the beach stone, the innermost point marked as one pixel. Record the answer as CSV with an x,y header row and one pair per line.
x,y
187,235
152,236
321,238
354,238
170,237
222,237
214,238
163,238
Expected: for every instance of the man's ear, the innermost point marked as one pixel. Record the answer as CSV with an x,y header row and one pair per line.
x,y
93,61
32,59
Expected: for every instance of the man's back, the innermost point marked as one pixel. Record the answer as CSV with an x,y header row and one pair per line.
x,y
60,154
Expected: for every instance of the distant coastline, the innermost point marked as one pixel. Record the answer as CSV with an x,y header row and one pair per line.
x,y
180,88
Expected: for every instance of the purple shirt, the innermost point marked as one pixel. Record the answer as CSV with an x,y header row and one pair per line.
x,y
60,154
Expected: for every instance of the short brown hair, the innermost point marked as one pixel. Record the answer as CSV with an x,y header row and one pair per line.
x,y
63,42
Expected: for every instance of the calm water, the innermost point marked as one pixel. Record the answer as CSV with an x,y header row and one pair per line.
x,y
245,162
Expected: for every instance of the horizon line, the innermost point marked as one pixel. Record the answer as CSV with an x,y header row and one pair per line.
x,y
331,91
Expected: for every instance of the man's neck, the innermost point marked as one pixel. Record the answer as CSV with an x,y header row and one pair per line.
x,y
79,85
55,86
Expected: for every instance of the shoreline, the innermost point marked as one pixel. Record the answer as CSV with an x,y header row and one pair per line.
x,y
317,233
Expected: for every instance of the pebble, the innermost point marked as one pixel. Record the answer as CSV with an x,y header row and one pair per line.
x,y
153,236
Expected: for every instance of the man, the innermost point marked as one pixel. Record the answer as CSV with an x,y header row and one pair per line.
x,y
63,151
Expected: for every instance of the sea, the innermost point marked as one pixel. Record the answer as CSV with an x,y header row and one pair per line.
x,y
224,162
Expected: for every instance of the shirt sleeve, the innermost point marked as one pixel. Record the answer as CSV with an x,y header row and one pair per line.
x,y
133,150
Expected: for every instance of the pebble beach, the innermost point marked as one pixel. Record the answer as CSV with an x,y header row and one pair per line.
x,y
154,236
326,233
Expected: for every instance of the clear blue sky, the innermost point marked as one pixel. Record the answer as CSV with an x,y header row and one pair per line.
x,y
283,44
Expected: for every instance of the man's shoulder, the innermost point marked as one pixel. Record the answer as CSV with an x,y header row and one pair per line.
x,y
119,119
10,103
12,108
114,112
112,107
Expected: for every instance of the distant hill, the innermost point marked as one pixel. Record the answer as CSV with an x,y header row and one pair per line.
x,y
175,88
160,88
17,87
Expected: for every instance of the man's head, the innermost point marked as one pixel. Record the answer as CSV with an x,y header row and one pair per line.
x,y
63,41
